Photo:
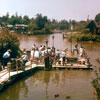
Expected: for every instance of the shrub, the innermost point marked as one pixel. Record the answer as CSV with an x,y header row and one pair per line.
x,y
9,41
85,37
41,32
96,80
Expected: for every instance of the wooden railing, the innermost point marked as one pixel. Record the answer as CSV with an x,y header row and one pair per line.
x,y
14,66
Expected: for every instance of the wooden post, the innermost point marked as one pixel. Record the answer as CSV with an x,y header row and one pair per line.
x,y
17,65
9,67
71,38
53,41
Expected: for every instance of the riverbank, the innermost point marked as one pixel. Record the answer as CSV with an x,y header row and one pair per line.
x,y
96,81
84,37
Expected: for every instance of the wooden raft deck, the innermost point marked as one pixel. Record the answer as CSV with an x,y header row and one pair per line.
x,y
5,75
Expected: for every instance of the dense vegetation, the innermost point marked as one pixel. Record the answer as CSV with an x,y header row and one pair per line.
x,y
96,81
38,25
85,37
90,31
9,41
42,25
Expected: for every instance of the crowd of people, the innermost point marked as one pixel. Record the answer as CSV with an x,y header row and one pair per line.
x,y
39,54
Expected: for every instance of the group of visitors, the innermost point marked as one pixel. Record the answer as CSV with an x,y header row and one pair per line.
x,y
39,54
7,58
79,51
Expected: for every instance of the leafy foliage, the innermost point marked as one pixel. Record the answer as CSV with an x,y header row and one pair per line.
x,y
92,27
9,41
96,80
85,37
42,23
97,18
63,24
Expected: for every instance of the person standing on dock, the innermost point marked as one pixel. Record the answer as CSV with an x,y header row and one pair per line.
x,y
40,53
76,49
34,46
24,58
32,54
63,57
57,53
36,55
6,58
81,51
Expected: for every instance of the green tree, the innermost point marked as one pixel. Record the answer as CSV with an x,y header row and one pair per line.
x,y
97,18
92,26
15,20
41,21
9,41
63,24
26,19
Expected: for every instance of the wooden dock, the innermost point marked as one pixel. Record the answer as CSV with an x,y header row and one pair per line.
x,y
5,74
73,62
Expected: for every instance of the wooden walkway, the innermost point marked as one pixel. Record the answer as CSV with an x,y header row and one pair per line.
x,y
4,74
7,77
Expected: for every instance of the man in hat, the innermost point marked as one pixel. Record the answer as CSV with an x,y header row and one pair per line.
x,y
24,58
6,58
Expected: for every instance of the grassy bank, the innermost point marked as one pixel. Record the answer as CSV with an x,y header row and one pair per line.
x,y
96,81
84,37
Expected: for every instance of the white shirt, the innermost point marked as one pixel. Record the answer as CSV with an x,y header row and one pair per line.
x,y
6,55
25,57
32,53
57,53
40,49
42,53
36,54
81,50
63,54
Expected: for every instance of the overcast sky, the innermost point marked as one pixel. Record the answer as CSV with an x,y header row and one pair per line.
x,y
57,9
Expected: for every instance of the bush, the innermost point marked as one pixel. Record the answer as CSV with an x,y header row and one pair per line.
x,y
96,80
41,32
85,37
9,41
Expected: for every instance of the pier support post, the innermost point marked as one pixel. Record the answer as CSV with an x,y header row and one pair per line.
x,y
47,62
9,67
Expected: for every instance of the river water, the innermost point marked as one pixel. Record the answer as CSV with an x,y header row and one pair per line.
x,y
92,49
44,85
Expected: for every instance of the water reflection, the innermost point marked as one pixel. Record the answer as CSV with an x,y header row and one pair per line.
x,y
43,85
28,41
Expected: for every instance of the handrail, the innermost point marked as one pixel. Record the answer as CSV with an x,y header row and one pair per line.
x,y
10,69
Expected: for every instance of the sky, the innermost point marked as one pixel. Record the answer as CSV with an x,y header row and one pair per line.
x,y
53,9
